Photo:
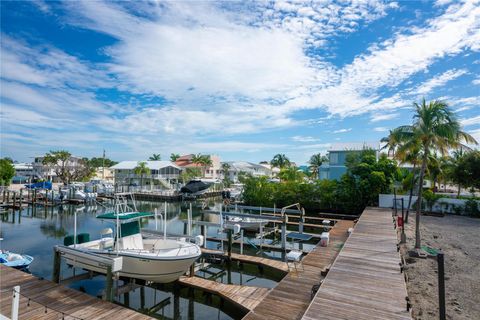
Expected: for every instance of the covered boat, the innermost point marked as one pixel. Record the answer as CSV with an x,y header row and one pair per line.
x,y
15,260
195,187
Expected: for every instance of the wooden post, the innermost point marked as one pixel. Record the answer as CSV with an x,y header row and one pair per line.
x,y
34,195
56,266
284,236
230,242
192,270
15,302
142,297
21,198
8,196
176,302
109,285
302,221
191,304
4,194
14,201
441,285
46,197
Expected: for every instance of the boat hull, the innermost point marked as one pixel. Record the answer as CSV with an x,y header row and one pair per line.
x,y
157,270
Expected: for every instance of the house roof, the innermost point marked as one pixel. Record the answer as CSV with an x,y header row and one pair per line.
x,y
346,146
152,165
244,165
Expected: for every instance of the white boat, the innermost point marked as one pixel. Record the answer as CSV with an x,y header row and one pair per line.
x,y
158,259
246,223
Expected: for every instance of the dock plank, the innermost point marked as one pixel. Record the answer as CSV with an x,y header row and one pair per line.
x,y
365,281
70,302
291,297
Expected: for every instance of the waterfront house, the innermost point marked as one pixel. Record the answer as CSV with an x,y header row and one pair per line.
x,y
47,172
23,173
212,172
337,156
256,170
161,173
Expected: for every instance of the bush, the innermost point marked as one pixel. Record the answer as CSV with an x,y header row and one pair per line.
x,y
471,208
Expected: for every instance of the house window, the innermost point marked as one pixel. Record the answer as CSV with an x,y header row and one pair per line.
x,y
333,158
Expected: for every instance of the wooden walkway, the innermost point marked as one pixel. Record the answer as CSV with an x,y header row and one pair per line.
x,y
35,294
275,264
292,296
365,281
246,297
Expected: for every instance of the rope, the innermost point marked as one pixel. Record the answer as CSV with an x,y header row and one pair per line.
x,y
41,304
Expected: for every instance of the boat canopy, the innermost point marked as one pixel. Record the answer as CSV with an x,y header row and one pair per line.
x,y
125,217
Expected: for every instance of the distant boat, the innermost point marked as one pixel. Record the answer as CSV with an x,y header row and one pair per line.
x,y
194,188
249,224
15,260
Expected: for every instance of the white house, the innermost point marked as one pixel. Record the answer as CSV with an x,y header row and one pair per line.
x,y
23,172
42,171
256,170
161,172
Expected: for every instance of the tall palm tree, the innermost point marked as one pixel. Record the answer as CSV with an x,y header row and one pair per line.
x,y
280,161
174,157
316,161
155,157
141,169
392,141
435,128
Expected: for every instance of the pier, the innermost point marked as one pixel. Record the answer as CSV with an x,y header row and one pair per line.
x,y
271,263
292,295
43,299
245,297
366,281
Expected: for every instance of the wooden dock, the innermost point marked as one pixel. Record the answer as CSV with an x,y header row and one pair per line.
x,y
43,299
275,264
292,295
365,282
246,297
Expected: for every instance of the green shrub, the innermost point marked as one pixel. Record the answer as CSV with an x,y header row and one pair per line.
x,y
471,208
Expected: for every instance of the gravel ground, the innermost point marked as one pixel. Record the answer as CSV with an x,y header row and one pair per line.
x,y
458,238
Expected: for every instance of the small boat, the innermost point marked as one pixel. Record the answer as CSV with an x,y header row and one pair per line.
x,y
15,260
195,187
156,259
249,224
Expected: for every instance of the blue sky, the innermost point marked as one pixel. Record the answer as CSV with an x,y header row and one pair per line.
x,y
244,80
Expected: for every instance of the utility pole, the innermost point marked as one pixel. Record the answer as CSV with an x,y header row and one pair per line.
x,y
103,165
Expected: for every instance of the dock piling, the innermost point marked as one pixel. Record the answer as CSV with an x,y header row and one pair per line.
x,y
109,284
56,266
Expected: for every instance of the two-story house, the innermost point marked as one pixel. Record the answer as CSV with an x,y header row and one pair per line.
x,y
337,156
160,173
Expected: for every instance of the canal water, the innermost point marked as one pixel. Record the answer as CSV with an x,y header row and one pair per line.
x,y
36,230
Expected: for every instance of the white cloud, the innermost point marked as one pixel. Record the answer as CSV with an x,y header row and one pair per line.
x,y
342,130
304,139
380,129
476,81
382,117
470,121
440,80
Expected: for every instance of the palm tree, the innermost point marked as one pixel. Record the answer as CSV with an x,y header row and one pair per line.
x,y
435,128
225,167
280,161
206,162
174,157
392,141
316,161
409,153
141,169
155,157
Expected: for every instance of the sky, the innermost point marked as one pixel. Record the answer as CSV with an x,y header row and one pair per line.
x,y
245,80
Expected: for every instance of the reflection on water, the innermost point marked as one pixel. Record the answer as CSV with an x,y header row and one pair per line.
x,y
36,230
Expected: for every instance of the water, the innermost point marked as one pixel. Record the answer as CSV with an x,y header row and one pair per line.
x,y
35,231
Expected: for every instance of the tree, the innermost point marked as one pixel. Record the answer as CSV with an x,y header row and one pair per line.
x,y
280,161
204,161
174,157
226,179
68,168
7,171
315,162
99,162
435,128
466,170
291,174
155,157
141,169
189,174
